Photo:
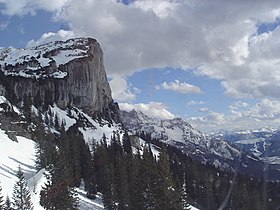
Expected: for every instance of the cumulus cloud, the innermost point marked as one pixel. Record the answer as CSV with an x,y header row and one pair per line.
x,y
265,113
50,36
223,46
237,105
121,90
217,38
23,7
152,109
180,87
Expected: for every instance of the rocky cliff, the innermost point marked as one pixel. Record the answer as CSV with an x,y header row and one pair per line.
x,y
68,73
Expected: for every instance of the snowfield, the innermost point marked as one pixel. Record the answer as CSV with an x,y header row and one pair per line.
x,y
14,154
22,153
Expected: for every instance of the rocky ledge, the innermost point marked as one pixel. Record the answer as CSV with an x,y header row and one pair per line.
x,y
68,73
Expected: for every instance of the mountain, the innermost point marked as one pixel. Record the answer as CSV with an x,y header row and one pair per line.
x,y
212,150
68,73
55,104
58,121
262,143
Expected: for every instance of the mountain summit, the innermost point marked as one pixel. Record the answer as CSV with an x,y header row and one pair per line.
x,y
68,73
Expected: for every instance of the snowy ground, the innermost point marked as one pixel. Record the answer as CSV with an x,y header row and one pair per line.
x,y
22,153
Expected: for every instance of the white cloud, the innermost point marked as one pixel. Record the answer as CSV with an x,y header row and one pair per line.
x,y
50,36
218,36
152,109
121,90
193,102
266,113
180,87
237,105
23,7
222,44
203,109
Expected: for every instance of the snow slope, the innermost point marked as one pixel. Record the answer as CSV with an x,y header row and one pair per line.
x,y
34,59
14,154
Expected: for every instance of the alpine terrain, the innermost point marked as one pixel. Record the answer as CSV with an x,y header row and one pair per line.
x,y
65,144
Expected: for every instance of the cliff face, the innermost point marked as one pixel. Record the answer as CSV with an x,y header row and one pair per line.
x,y
66,73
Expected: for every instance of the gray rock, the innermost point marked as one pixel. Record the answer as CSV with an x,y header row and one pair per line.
x,y
83,83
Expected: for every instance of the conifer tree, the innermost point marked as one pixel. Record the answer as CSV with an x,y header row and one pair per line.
x,y
8,204
57,194
21,194
56,122
126,143
1,198
147,181
170,196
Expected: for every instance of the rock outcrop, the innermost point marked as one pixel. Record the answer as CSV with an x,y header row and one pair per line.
x,y
68,73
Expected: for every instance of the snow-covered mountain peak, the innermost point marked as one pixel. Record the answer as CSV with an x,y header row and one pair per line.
x,y
44,60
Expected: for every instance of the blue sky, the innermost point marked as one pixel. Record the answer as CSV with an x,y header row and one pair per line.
x,y
213,63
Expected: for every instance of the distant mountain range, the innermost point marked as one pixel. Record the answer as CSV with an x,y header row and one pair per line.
x,y
246,152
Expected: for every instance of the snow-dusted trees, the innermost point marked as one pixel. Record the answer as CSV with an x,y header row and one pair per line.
x,y
21,194
1,199
170,193
57,194
8,204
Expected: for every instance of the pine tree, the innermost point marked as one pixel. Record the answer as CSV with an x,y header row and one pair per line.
x,y
1,199
56,122
21,194
8,204
169,194
126,143
57,194
147,181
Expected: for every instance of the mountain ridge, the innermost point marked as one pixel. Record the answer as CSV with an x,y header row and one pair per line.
x,y
201,147
68,73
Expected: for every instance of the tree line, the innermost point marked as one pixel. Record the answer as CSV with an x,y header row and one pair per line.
x,y
136,178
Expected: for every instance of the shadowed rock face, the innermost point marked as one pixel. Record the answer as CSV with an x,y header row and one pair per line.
x,y
66,73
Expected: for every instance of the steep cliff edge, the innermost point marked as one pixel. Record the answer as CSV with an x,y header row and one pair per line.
x,y
68,73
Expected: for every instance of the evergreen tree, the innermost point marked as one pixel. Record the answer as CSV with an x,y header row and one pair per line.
x,y
126,143
57,194
147,181
169,196
1,199
21,194
8,204
56,122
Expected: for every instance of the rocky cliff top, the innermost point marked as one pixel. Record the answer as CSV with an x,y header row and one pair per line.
x,y
44,60
67,73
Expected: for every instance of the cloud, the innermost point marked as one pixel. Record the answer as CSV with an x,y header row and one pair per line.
x,y
24,7
50,36
192,102
180,87
217,38
152,109
203,109
224,45
265,113
237,105
121,90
